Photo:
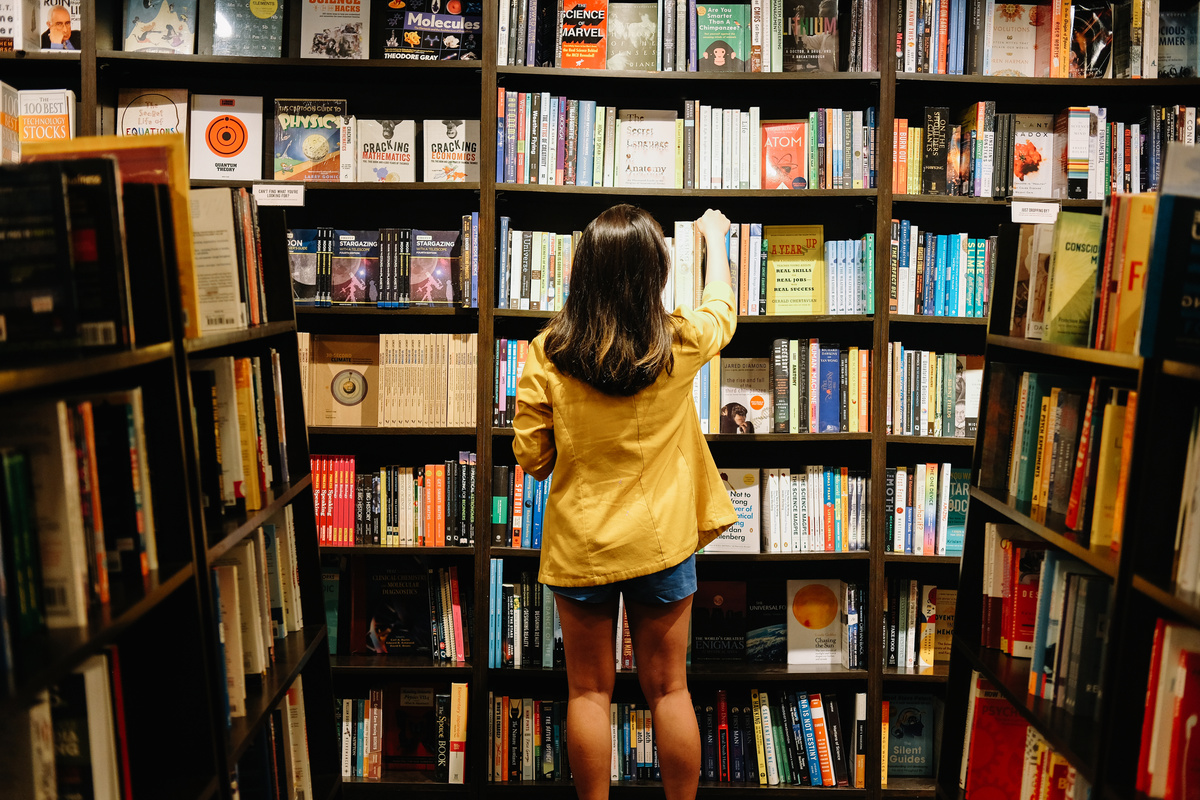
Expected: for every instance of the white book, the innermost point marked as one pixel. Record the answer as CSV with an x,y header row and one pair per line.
x,y
329,30
716,176
610,146
148,111
226,137
298,733
704,151
785,510
744,536
546,134
527,739
918,547
814,628
910,659
735,149
451,150
943,519
231,638
685,265
348,732
728,177
232,471
348,151
215,255
768,738
243,556
502,34
755,171
101,737
770,519
290,541
386,150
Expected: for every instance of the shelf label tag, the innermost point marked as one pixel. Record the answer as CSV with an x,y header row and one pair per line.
x,y
279,194
1031,212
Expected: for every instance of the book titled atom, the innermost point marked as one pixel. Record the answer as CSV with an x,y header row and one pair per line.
x,y
226,137
308,135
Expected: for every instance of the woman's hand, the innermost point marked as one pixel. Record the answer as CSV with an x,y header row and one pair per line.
x,y
713,225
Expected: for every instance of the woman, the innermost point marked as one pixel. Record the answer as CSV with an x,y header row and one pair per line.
x,y
605,401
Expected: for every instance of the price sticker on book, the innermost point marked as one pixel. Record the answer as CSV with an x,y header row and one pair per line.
x,y
1023,211
279,194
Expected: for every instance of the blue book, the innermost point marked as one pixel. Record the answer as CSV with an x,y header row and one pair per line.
x,y
955,276
705,399
872,132
501,110
585,143
810,737
510,137
357,766
539,511
527,511
1038,660
939,279
910,735
980,271
502,289
493,600
930,266
829,389
216,599
969,278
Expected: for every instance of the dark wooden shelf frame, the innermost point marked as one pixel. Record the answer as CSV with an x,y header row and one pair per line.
x,y
316,312
922,319
1066,352
397,667
349,186
623,191
941,199
329,430
315,64
939,673
937,441
214,341
1173,603
909,558
654,75
41,375
234,528
1179,369
378,550
1071,83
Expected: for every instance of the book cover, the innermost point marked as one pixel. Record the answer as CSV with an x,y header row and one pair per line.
x,y
1092,39
302,258
335,30
632,41
744,492
168,26
810,41
247,28
1033,155
1015,35
345,382
434,266
355,268
947,603
910,725
1072,278
766,622
19,26
409,730
45,115
721,37
996,746
58,22
226,137
647,149
386,150
956,522
795,269
451,150
389,609
145,111
814,626
745,395
308,136
719,621
431,30
784,154
584,32
1177,42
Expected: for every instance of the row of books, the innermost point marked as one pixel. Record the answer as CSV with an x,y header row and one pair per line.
x,y
228,245
1185,570
256,596
34,115
518,507
241,433
386,268
554,140
276,763
918,623
926,508
424,506
932,394
943,275
1046,606
404,728
395,380
1060,449
1172,691
523,622
670,36
1003,753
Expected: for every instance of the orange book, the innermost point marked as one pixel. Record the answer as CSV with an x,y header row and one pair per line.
x,y
864,390
430,506
822,737
1123,475
883,748
439,509
85,437
518,511
784,154
902,166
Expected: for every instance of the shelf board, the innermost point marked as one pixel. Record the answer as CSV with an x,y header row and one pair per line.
x,y
1181,369
210,789
1077,739
350,186
20,379
326,787
1145,83
227,338
374,550
923,319
315,312
940,673
944,441
910,787
515,552
350,430
395,782
364,666
909,558
748,77
47,656
291,654
849,555
323,64
41,55
1176,605
803,319
729,671
1062,539
522,313
788,437
234,529
641,192
990,201
706,789
1067,352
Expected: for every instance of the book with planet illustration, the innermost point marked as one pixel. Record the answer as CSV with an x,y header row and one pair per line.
x,y
308,140
814,622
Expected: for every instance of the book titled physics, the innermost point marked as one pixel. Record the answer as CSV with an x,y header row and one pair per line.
x,y
226,137
308,136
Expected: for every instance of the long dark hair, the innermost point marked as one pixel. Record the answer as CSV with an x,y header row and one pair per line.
x,y
614,333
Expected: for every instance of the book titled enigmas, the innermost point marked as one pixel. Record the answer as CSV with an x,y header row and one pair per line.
x,y
646,154
745,395
795,269
719,621
1071,283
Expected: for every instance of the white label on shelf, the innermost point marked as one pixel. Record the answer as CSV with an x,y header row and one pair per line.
x,y
1023,211
279,194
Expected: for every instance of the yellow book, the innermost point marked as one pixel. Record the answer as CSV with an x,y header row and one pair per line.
x,y
458,732
247,424
844,506
927,628
1039,462
384,538
756,712
1131,291
679,153
852,411
1112,431
795,269
883,746
714,393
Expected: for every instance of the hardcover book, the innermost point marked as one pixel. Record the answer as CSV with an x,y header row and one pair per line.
x,y
1033,155
57,24
910,736
1020,40
745,395
744,535
647,149
795,269
632,41
46,115
335,30
1177,42
451,150
355,268
719,621
810,41
168,26
997,743
386,150
431,30
722,37
814,622
434,266
584,32
145,111
766,622
226,137
308,137
784,155
247,28
409,731
1091,39
345,381
302,257
389,610
1072,278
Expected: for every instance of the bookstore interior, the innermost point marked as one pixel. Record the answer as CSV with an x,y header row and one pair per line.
x,y
317,238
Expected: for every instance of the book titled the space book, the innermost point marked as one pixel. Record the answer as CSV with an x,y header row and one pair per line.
x,y
308,136
431,30
744,535
355,279
144,111
226,137
784,154
434,266
247,28
722,37
451,150
633,36
386,150
745,395
345,381
584,32
160,26
646,155
335,30
719,621
814,622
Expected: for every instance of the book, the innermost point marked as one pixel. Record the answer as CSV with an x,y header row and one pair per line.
x,y
784,155
169,27
1018,33
995,746
632,37
744,535
386,150
144,111
434,267
584,34
335,30
431,30
409,733
344,380
1092,40
814,622
719,621
226,137
355,268
647,149
59,24
389,610
745,395
247,28
1034,164
81,710
451,150
721,37
910,724
1072,278
45,115
766,622
795,269
308,140
810,40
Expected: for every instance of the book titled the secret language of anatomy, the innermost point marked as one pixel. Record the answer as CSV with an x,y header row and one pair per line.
x,y
646,152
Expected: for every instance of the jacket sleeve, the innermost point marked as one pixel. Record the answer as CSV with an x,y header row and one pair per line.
x,y
710,325
533,423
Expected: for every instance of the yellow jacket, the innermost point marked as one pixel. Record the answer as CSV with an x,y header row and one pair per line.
x,y
635,490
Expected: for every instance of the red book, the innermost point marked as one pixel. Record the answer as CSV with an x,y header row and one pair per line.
x,y
1058,778
822,737
784,155
997,753
118,703
522,138
722,736
1143,771
584,28
518,515
456,610
1026,573
1082,459
1183,769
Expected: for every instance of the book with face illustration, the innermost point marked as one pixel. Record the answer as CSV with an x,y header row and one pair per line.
x,y
785,154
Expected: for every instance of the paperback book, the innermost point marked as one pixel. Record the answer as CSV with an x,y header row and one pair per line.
x,y
355,268
146,111
784,155
722,37
247,28
386,150
308,136
814,628
584,34
335,30
434,267
719,621
646,156
226,137
390,610
432,30
165,26
344,373
745,395
633,36
451,150
744,535
810,41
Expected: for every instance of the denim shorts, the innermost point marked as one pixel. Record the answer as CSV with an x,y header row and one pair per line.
x,y
665,586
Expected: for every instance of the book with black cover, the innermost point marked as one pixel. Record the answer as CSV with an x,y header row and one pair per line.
x,y
390,610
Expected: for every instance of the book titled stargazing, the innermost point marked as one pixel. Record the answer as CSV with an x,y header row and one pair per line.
x,y
432,30
308,137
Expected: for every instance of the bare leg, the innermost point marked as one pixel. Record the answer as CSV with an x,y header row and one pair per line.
x,y
588,630
660,635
